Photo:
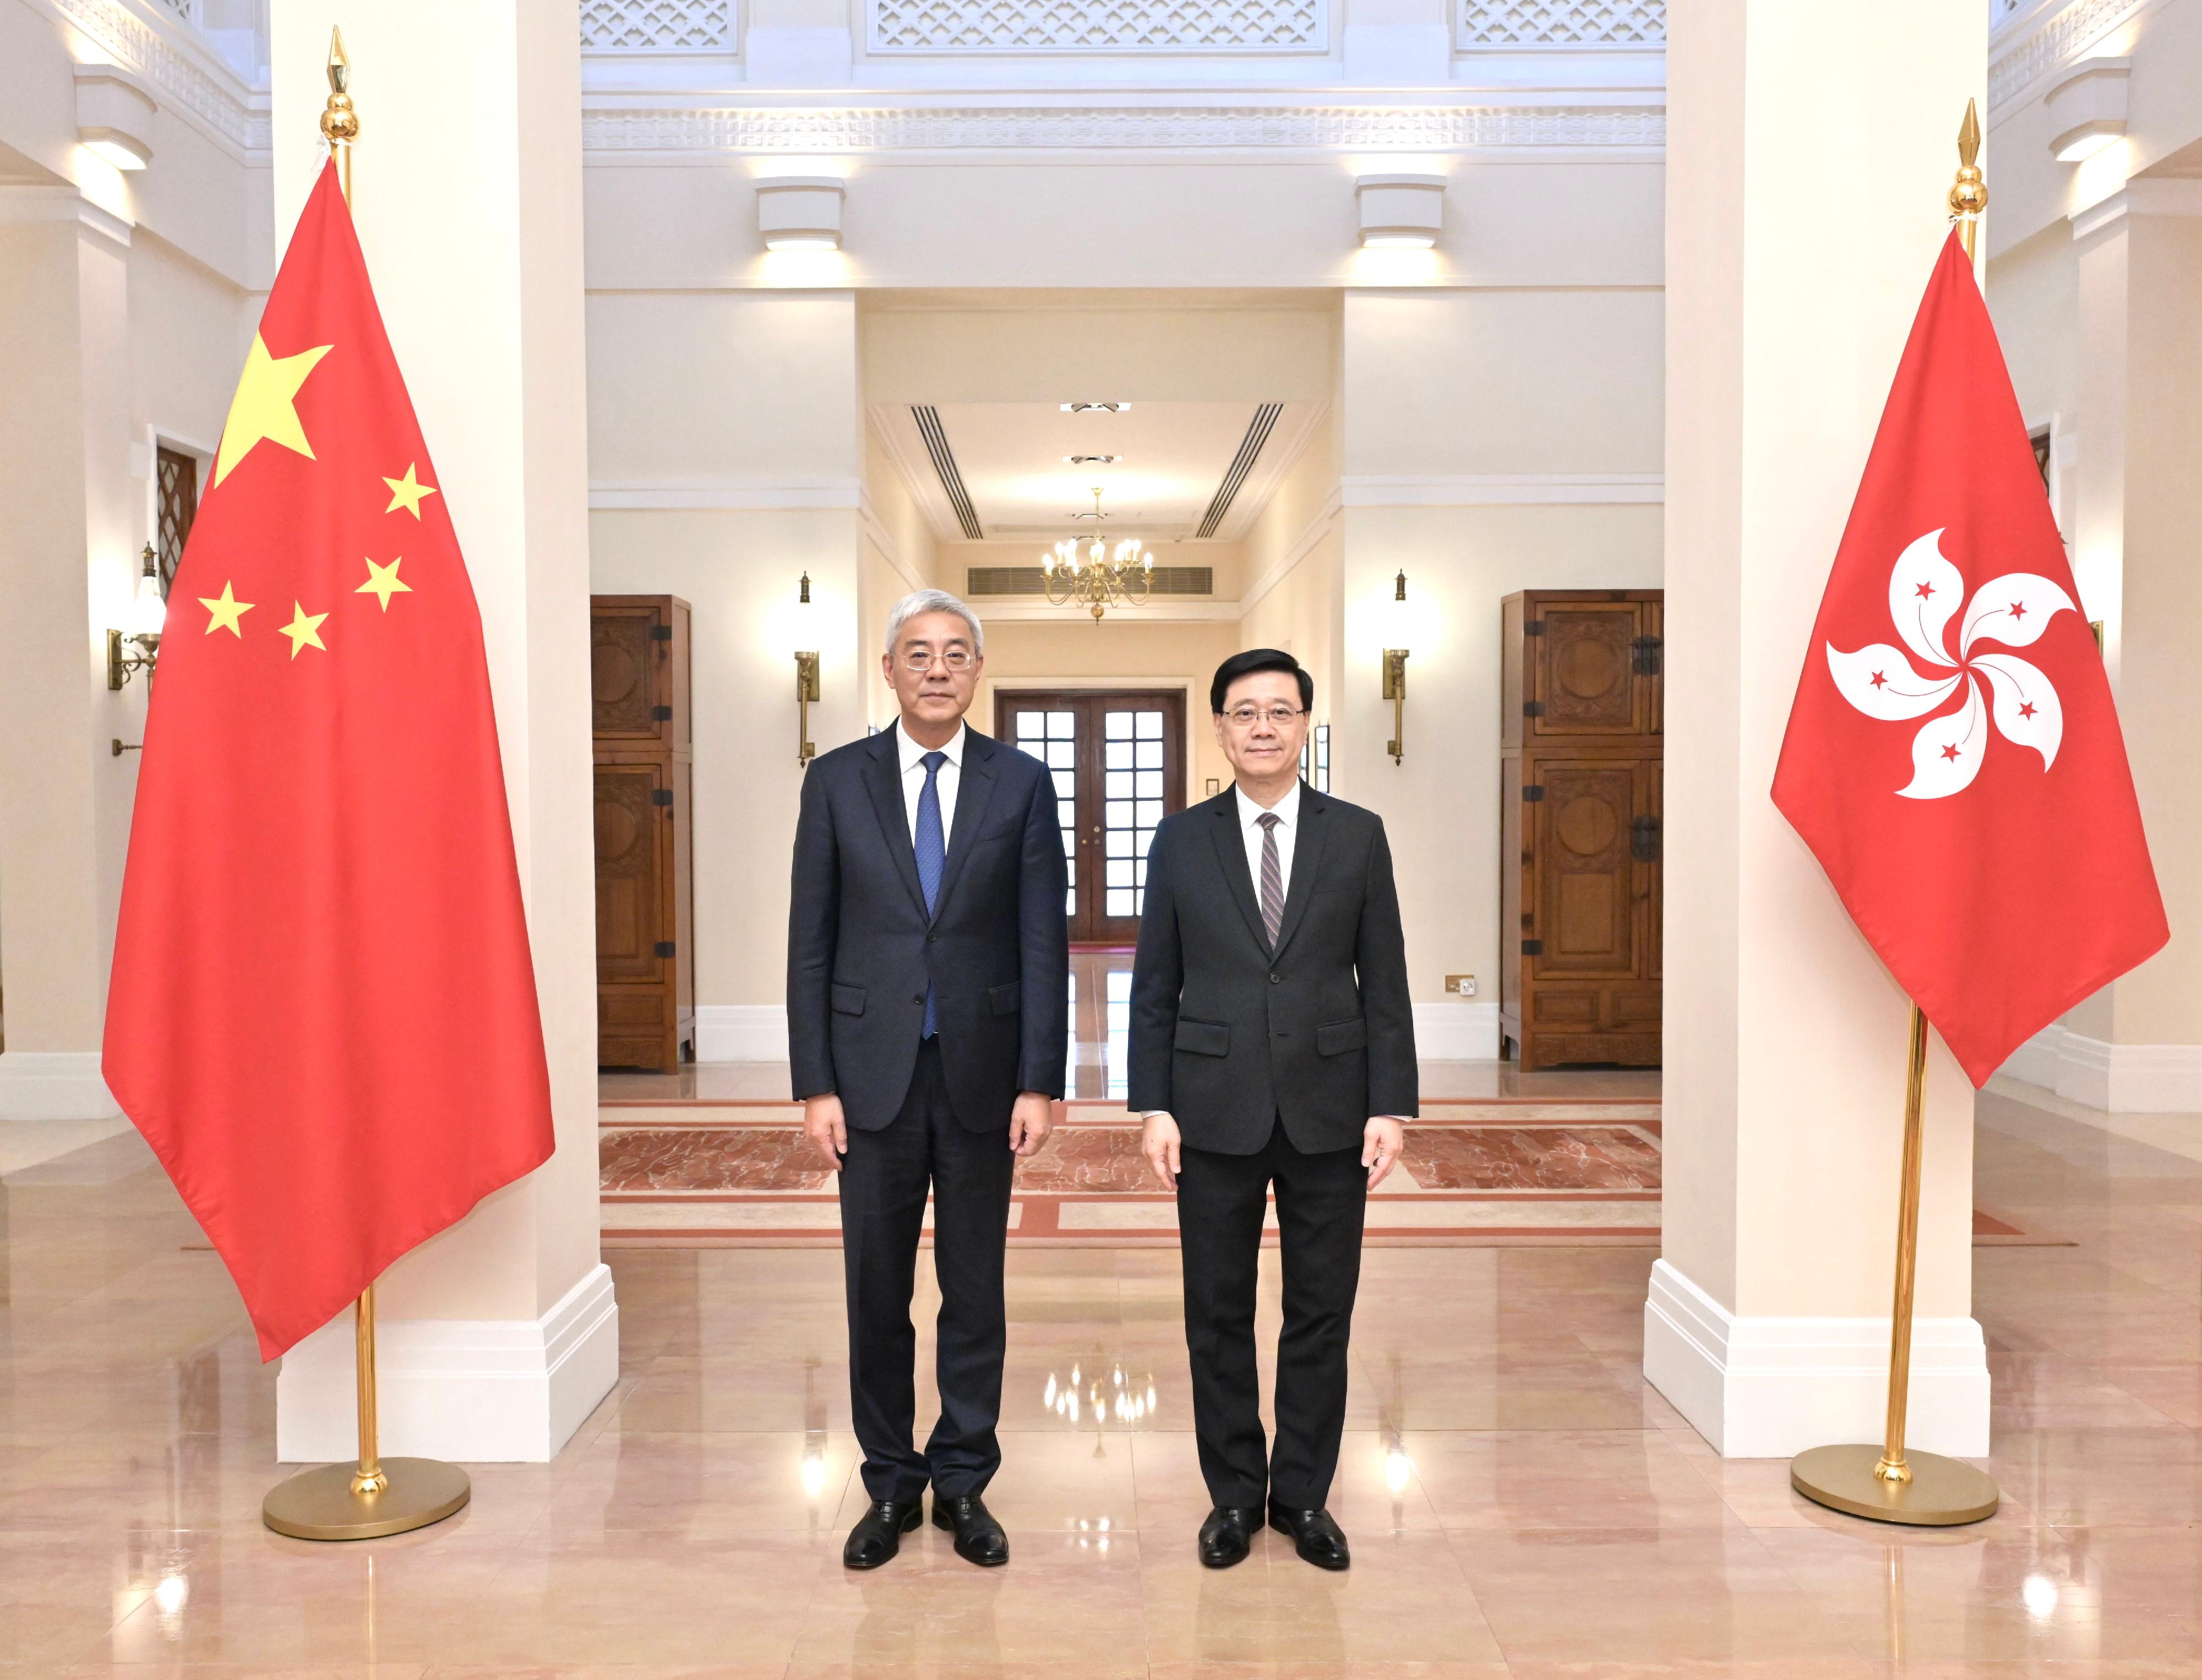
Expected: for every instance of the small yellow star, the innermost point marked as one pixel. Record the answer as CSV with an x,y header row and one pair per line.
x,y
265,405
382,581
226,612
406,492
304,629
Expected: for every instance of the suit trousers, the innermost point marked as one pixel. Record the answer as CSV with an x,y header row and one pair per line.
x,y
1322,1199
885,1176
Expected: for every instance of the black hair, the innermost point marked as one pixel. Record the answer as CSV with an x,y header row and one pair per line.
x,y
1255,659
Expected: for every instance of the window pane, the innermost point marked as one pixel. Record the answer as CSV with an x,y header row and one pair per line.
x,y
1117,785
1032,726
1151,812
1150,755
1063,755
1150,726
1117,725
1120,842
1120,872
1066,789
1117,813
1117,755
1120,902
1070,902
1062,725
1149,784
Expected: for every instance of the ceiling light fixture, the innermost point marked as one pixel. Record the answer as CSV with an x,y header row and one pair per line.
x,y
1095,407
800,212
115,115
1400,210
1091,460
1084,572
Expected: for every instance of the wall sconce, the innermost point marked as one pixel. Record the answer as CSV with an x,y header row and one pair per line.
x,y
2088,104
806,681
1395,674
1399,210
114,116
800,212
135,647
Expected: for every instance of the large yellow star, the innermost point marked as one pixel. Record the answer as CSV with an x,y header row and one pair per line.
x,y
227,612
406,492
304,629
382,581
264,406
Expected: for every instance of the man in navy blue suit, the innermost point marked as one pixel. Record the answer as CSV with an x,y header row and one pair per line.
x,y
928,1022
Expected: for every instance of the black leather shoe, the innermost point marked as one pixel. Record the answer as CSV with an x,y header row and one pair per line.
x,y
1227,1535
978,1537
878,1533
1314,1535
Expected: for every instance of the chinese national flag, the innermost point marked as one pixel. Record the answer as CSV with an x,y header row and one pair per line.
x,y
1953,759
323,1015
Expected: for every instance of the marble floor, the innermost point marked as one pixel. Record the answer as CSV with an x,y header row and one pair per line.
x,y
1520,1503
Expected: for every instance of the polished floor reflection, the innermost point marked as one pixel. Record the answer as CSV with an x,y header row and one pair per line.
x,y
1519,1504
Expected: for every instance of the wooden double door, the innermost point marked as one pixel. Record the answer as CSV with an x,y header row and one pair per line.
x,y
1118,761
1581,753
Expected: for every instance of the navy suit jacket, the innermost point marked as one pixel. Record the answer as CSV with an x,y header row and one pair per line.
x,y
861,948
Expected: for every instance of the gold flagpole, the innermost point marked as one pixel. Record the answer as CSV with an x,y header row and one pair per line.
x,y
338,1501
1892,1485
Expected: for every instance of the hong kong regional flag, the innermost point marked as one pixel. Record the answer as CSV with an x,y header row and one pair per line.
x,y
323,1015
1953,759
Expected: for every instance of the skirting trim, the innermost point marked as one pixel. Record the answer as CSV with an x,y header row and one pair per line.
x,y
54,1085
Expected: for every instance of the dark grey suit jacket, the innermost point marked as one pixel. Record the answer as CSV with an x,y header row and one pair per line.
x,y
861,948
1228,1035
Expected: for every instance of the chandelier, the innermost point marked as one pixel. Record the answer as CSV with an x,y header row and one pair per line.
x,y
1084,571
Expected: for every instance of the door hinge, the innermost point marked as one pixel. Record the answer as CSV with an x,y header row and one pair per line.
x,y
665,947
1533,708
661,633
1533,792
661,796
1645,650
1644,839
1532,947
662,714
1534,626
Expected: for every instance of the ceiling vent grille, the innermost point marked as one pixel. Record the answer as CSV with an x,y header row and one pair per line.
x,y
943,463
1250,450
1032,580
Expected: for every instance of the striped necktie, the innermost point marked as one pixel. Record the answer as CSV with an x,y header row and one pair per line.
x,y
931,848
1273,877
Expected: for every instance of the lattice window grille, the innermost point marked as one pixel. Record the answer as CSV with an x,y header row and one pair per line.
x,y
1562,23
657,25
190,12
1100,25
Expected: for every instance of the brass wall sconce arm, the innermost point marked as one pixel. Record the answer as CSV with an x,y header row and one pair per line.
x,y
806,694
1395,691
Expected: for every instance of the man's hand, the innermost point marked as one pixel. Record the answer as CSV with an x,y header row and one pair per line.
x,y
1030,1122
829,1132
1160,1143
1382,1140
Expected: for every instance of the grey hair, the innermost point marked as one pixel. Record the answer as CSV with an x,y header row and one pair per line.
x,y
932,600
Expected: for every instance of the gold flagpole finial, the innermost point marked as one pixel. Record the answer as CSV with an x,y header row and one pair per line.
x,y
1968,195
339,122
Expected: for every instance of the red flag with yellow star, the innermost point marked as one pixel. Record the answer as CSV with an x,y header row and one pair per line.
x,y
322,1014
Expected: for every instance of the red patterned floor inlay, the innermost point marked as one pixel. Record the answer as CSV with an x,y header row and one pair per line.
x,y
644,1160
1541,1158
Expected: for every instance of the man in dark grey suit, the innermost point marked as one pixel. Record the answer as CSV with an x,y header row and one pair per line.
x,y
927,1024
1272,1043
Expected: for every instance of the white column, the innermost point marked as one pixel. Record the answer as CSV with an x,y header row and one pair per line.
x,y
500,1336
1808,150
68,565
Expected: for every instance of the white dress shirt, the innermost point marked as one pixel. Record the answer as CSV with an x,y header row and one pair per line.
x,y
1286,811
912,778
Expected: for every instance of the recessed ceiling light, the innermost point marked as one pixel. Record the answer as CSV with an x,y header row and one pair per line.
x,y
1095,407
1091,460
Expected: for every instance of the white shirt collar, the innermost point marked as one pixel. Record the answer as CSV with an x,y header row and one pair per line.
x,y
913,755
1287,809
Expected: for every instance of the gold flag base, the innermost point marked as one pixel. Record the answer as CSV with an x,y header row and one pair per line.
x,y
321,1504
1941,1492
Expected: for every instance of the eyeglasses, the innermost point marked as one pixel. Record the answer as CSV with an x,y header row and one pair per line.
x,y
919,660
1245,717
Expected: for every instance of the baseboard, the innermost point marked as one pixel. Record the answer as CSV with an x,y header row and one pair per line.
x,y
1768,1387
741,1031
473,1391
54,1085
2116,1078
1456,1031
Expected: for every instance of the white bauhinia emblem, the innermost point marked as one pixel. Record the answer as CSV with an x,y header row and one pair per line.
x,y
1924,592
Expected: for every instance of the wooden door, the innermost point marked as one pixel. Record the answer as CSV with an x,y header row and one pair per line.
x,y
1118,759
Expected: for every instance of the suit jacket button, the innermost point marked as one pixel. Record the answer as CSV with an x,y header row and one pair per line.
x,y
930,938
1276,980
919,999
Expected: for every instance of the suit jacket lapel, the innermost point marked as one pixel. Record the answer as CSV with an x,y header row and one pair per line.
x,y
975,791
1307,856
1231,854
883,781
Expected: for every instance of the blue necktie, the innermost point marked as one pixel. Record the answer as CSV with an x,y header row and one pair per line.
x,y
932,855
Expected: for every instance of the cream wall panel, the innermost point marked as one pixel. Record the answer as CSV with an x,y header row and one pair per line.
x,y
692,387
738,572
189,331
2033,295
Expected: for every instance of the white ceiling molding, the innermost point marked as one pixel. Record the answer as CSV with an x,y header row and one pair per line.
x,y
618,27
2068,34
1477,490
196,83
876,533
60,203
901,26
1126,127
1513,24
1302,545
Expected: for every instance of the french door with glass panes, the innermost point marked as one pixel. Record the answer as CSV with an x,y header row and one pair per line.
x,y
1119,765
